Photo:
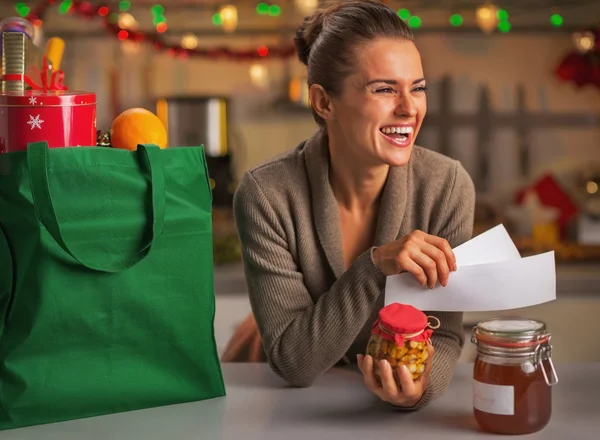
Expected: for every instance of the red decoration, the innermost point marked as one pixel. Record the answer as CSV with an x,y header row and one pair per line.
x,y
551,194
398,322
582,68
61,118
262,51
87,10
48,80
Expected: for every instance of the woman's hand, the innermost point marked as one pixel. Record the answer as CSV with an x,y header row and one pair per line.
x,y
409,392
427,257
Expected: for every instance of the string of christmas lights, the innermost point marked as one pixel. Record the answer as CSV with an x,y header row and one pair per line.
x,y
119,22
488,16
110,17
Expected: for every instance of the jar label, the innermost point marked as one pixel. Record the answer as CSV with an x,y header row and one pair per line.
x,y
494,399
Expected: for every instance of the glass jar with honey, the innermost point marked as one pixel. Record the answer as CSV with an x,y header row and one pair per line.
x,y
401,335
512,376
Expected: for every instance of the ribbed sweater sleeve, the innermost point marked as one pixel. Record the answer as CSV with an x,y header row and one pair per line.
x,y
301,338
456,226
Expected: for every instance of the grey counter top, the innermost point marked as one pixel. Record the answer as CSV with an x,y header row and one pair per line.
x,y
259,406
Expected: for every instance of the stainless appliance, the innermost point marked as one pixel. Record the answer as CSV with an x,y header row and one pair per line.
x,y
193,121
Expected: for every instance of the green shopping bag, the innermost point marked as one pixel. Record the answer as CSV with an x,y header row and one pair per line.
x,y
106,282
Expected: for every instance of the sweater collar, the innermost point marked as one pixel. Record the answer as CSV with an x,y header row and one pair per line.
x,y
325,209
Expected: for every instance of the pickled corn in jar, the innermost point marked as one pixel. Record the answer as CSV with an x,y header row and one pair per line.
x,y
401,336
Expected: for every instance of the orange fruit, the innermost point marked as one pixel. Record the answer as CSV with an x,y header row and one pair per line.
x,y
137,126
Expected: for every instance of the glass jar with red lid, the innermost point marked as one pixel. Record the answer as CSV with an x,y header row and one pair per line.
x,y
513,376
401,335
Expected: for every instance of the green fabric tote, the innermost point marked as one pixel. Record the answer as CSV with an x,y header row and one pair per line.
x,y
106,282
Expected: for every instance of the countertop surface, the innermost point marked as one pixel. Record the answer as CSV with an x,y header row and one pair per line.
x,y
259,406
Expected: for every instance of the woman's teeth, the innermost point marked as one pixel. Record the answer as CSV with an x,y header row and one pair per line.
x,y
399,130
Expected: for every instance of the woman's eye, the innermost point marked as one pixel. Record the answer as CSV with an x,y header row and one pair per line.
x,y
385,90
421,89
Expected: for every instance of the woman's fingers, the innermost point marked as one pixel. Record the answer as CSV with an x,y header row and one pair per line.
x,y
369,377
388,382
359,361
410,389
432,254
399,389
443,245
441,262
428,265
435,263
409,265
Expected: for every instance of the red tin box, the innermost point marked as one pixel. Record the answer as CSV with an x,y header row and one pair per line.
x,y
61,118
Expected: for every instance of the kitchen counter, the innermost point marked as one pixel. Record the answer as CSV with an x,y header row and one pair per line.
x,y
259,406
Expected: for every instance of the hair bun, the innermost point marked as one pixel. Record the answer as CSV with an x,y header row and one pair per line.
x,y
307,33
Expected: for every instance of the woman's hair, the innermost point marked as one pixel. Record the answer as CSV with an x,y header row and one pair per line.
x,y
328,40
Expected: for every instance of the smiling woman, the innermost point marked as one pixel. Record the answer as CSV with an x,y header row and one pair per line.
x,y
364,66
323,225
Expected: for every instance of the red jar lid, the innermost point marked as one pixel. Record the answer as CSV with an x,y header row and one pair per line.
x,y
402,318
39,98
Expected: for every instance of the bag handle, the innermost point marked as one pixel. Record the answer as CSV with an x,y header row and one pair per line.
x,y
37,161
6,280
207,173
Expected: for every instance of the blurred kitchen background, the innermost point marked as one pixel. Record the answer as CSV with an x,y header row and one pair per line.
x,y
514,94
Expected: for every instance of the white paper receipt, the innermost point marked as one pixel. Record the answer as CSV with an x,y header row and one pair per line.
x,y
491,276
494,399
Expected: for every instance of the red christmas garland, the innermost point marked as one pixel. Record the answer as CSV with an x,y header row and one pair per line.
x,y
582,68
88,11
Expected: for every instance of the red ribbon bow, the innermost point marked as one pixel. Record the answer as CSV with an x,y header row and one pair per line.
x,y
49,80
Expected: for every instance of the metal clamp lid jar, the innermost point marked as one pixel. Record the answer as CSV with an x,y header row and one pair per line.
x,y
513,375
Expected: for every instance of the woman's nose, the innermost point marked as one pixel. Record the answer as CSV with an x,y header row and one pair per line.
x,y
406,106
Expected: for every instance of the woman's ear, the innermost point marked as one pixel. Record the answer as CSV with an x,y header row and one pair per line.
x,y
321,102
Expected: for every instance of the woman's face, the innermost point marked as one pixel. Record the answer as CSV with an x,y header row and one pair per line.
x,y
382,104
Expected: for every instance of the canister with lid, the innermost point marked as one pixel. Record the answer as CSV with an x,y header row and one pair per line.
x,y
513,375
61,118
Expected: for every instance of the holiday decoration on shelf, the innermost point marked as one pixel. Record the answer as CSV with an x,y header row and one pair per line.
x,y
582,66
543,220
103,139
110,16
120,23
487,17
548,202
